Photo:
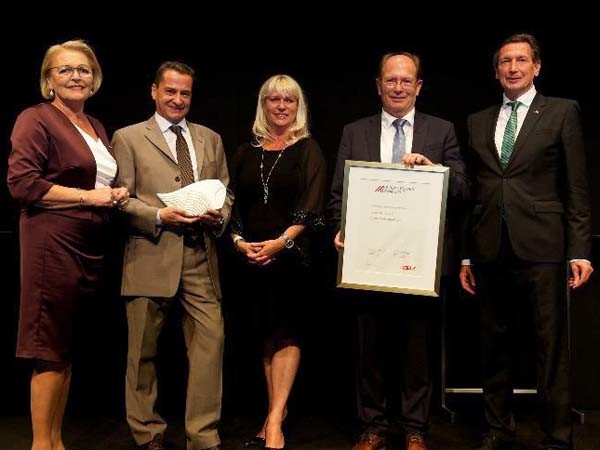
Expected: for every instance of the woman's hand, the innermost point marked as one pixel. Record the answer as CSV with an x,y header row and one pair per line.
x,y
267,250
248,249
101,197
120,197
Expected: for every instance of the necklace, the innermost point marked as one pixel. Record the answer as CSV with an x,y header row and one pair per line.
x,y
265,183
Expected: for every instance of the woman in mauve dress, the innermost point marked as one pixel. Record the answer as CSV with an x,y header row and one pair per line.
x,y
61,172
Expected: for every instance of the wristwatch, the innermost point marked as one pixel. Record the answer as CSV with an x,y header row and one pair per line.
x,y
288,241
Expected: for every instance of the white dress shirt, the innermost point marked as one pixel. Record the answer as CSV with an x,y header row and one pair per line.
x,y
388,131
106,166
171,139
504,115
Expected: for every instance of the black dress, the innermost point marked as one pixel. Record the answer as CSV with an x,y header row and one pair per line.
x,y
296,185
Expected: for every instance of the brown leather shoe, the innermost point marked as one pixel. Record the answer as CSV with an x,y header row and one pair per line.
x,y
155,444
369,441
415,441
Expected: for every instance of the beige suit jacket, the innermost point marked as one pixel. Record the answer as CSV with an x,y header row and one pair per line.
x,y
153,256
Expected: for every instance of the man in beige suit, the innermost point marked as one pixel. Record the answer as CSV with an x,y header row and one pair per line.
x,y
171,257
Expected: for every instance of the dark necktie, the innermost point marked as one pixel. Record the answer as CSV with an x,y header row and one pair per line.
x,y
510,135
183,157
399,146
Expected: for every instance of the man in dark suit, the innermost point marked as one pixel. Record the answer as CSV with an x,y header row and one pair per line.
x,y
389,326
531,214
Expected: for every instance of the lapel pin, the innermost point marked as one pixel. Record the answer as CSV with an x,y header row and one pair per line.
x,y
536,111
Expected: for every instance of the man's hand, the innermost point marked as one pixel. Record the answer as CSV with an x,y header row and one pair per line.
x,y
467,279
339,244
173,217
581,272
211,217
416,159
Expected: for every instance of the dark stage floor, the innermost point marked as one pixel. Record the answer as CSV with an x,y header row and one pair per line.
x,y
308,432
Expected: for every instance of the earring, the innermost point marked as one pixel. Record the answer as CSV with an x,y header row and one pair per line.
x,y
51,92
92,91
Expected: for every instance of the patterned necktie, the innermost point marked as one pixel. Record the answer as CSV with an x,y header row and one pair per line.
x,y
398,148
183,157
510,134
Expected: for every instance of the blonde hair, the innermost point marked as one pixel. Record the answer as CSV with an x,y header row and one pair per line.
x,y
286,85
77,45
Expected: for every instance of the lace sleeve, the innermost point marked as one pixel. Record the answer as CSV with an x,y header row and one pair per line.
x,y
235,222
309,209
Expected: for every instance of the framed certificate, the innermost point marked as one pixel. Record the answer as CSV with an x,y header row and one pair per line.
x,y
392,226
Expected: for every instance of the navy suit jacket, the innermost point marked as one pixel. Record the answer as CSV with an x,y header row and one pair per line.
x,y
433,137
542,195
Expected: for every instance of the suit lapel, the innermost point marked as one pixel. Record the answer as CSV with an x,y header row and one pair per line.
x,y
199,147
373,135
101,134
491,134
536,109
419,133
155,136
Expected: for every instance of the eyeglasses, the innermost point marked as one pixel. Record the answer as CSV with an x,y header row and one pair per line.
x,y
67,71
405,83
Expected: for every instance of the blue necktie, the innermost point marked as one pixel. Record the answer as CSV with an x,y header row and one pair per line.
x,y
510,135
398,148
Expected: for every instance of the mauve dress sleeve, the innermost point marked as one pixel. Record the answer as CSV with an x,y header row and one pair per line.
x,y
28,158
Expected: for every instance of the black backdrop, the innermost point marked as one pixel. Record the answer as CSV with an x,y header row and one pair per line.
x,y
335,62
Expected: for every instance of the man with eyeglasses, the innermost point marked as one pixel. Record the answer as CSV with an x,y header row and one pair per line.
x,y
171,257
391,328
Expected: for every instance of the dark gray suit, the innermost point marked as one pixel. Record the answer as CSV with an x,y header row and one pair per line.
x,y
542,194
387,325
527,220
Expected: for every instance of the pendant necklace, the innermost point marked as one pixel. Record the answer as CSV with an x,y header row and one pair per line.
x,y
265,183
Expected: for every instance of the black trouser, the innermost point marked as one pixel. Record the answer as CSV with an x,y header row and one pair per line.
x,y
394,332
503,288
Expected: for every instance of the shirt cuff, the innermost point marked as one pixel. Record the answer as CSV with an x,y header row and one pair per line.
x,y
467,262
580,259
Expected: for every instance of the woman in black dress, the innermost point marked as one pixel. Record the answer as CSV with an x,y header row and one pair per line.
x,y
61,171
279,181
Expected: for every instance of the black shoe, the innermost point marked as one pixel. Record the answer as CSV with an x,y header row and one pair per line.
x,y
255,441
494,441
155,444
